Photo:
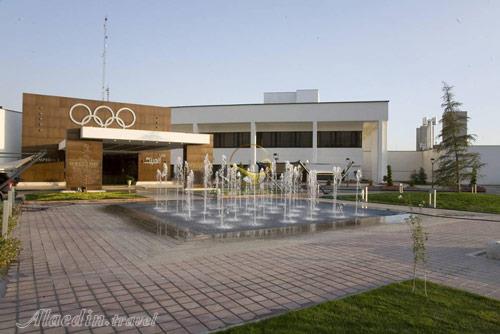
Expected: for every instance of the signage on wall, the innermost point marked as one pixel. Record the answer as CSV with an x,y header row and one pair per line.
x,y
152,161
104,123
155,159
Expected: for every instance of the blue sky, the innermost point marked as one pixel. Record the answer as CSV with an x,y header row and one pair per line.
x,y
212,52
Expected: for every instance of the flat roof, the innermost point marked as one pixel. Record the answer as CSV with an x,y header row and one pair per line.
x,y
270,104
139,140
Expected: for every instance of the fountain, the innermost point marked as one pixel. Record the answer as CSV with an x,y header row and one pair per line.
x,y
287,186
161,191
189,192
233,185
179,181
359,175
337,178
207,176
272,202
313,192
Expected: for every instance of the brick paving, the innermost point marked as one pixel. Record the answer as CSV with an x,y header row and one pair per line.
x,y
82,256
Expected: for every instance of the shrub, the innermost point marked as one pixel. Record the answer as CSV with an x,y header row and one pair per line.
x,y
422,176
418,178
418,238
388,177
473,176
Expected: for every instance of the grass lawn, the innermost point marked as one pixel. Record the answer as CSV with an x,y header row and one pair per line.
x,y
58,196
453,201
390,309
9,247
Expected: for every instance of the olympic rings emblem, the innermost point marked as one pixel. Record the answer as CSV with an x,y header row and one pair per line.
x,y
92,115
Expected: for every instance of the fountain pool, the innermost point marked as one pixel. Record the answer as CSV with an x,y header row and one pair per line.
x,y
250,202
205,219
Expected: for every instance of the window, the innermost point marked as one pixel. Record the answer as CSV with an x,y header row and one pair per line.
x,y
284,139
231,139
340,138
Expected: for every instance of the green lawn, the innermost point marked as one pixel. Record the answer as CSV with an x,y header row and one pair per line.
x,y
9,247
453,201
390,309
58,196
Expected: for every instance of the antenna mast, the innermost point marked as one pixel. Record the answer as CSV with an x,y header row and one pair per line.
x,y
104,87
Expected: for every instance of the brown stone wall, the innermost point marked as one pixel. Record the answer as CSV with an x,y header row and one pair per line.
x,y
83,164
150,161
195,155
46,121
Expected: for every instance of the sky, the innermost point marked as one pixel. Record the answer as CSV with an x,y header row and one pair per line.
x,y
217,52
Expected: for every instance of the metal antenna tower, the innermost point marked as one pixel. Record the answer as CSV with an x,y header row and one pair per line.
x,y
104,87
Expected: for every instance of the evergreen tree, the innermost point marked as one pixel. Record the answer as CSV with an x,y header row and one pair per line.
x,y
455,162
388,177
422,176
473,177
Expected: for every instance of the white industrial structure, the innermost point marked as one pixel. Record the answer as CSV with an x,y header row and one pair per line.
x,y
10,135
293,126
425,134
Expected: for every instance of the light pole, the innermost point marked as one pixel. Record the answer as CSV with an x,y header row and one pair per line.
x,y
432,171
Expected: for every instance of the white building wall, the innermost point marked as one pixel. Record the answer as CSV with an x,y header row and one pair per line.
x,y
10,135
368,117
291,112
406,162
490,155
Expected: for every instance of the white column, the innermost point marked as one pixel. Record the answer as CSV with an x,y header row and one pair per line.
x,y
195,128
315,142
253,142
381,150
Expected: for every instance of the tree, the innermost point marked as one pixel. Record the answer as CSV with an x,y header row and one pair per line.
x,y
455,162
418,238
388,177
418,178
422,176
473,177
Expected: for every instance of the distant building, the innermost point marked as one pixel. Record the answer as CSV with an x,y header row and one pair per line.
x,y
425,134
299,96
10,135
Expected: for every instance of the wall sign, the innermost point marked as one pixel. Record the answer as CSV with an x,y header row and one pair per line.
x,y
92,115
152,161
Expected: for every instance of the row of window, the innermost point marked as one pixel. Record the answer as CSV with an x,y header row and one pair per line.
x,y
289,139
340,139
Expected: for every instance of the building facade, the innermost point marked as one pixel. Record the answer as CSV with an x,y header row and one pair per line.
x,y
288,129
10,138
89,143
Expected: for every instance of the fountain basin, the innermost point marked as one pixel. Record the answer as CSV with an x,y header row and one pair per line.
x,y
270,221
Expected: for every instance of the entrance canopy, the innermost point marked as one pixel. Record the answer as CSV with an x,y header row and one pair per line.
x,y
127,140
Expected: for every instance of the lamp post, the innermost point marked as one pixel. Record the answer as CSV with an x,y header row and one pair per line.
x,y
432,171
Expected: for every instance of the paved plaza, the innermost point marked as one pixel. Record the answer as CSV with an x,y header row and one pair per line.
x,y
83,256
